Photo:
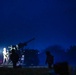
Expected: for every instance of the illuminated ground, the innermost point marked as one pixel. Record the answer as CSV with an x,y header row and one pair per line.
x,y
31,70
23,66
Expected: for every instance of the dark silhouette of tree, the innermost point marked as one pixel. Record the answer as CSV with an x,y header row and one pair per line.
x,y
71,54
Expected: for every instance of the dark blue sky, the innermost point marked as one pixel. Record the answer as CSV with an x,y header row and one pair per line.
x,y
49,21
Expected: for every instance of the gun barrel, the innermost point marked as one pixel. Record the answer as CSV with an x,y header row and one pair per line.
x,y
21,45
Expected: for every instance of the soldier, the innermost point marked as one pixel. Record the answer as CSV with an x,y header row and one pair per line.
x,y
7,60
14,58
4,56
49,59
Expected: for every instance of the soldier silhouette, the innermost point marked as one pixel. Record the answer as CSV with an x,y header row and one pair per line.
x,y
14,58
49,60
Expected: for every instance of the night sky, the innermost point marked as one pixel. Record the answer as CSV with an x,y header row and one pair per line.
x,y
49,21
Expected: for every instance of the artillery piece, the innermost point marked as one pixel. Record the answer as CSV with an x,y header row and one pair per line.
x,y
20,45
30,56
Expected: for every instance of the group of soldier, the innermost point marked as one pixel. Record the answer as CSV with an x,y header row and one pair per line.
x,y
14,57
7,57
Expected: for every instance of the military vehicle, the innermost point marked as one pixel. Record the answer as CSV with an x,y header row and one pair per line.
x,y
30,55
